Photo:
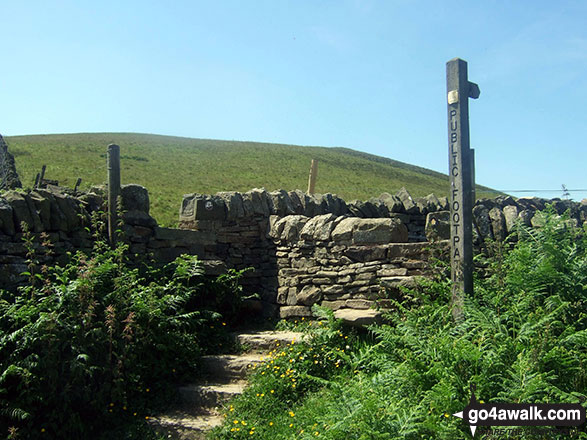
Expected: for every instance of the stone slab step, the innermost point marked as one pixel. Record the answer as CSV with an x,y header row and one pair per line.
x,y
228,366
264,341
210,394
225,374
181,425
359,318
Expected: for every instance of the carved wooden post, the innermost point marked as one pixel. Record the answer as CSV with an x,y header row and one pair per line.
x,y
113,189
459,90
313,176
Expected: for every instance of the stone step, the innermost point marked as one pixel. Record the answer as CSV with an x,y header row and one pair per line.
x,y
226,379
264,341
210,394
359,318
183,425
229,366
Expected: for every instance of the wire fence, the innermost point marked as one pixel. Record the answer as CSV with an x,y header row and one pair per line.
x,y
538,190
564,192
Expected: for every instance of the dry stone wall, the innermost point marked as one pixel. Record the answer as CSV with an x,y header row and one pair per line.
x,y
8,176
314,249
320,249
59,223
342,262
55,218
495,219
302,249
260,204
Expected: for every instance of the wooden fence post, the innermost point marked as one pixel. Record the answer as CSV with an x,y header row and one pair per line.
x,y
459,90
313,176
113,190
40,177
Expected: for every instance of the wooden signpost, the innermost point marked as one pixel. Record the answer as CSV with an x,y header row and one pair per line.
x,y
459,90
113,189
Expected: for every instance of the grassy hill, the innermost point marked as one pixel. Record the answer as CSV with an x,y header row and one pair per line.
x,y
172,166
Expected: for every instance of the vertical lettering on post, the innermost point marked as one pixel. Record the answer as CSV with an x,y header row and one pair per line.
x,y
113,190
459,89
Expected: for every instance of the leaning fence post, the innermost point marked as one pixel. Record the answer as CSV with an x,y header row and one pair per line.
x,y
113,189
313,176
42,176
459,90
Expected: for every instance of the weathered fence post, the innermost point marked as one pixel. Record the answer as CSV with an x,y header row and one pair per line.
x,y
313,176
42,176
459,90
113,189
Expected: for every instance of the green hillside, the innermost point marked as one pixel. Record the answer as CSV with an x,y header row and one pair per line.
x,y
172,166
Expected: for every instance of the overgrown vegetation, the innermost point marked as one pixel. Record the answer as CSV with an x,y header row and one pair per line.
x,y
523,339
172,166
90,348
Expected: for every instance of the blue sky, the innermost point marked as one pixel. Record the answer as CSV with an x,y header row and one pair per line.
x,y
367,75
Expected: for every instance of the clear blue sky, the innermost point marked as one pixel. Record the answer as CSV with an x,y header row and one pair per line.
x,y
368,75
